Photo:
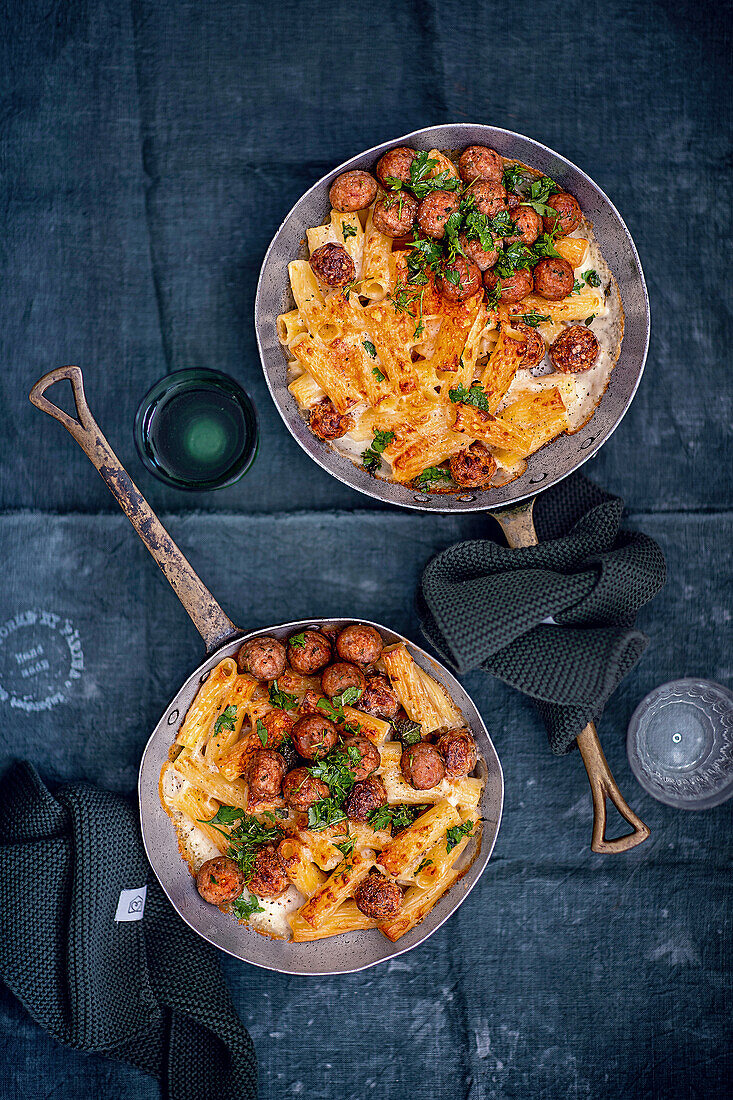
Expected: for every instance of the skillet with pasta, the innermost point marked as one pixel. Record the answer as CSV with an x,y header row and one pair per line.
x,y
453,316
324,785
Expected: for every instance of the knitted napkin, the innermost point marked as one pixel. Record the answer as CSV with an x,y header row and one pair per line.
x,y
149,992
556,621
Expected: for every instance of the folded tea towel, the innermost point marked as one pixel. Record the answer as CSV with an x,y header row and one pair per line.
x,y
556,621
146,991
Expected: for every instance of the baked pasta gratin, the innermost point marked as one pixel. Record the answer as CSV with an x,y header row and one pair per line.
x,y
324,785
450,319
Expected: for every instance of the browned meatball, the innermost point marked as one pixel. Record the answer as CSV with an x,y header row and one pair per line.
x,y
352,191
308,652
513,288
369,753
264,657
301,789
377,897
325,421
513,202
219,880
458,749
422,766
395,164
379,698
490,197
473,467
395,215
268,879
265,773
333,265
472,247
567,216
360,644
553,278
529,226
575,350
367,795
534,345
459,279
342,675
314,736
434,211
478,162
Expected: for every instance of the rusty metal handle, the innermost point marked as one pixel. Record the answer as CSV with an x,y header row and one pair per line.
x,y
211,622
518,527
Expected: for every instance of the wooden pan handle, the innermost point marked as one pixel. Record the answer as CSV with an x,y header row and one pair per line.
x,y
211,622
518,527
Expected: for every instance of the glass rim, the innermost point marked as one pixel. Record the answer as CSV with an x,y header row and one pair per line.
x,y
218,380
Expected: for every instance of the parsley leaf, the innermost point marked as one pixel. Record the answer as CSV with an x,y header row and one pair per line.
x,y
262,732
281,699
348,231
502,225
431,475
421,183
336,770
244,906
515,257
590,320
369,348
473,396
324,813
378,374
246,835
592,278
396,817
407,731
456,834
425,863
371,457
346,847
539,192
533,319
514,176
226,719
297,641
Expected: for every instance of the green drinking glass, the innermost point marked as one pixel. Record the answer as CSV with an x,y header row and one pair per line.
x,y
197,429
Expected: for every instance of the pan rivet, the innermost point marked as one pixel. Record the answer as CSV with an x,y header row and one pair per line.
x,y
467,496
536,480
422,499
172,717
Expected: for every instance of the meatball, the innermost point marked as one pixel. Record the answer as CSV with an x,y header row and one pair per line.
x,y
529,226
422,766
338,677
458,749
264,658
534,345
366,796
459,279
314,736
474,251
265,773
512,288
308,652
352,191
369,753
567,216
377,897
301,789
395,164
268,879
333,265
379,698
219,880
575,349
434,211
360,644
513,201
473,467
553,278
395,215
478,162
490,198
327,422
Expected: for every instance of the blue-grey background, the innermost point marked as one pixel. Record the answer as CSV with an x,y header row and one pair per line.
x,y
149,150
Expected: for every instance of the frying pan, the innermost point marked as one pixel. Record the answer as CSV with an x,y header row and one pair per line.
x,y
342,954
511,504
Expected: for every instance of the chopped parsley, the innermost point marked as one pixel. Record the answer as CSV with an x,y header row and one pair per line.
x,y
473,396
323,814
262,732
476,225
334,708
502,225
245,905
297,641
282,699
456,834
533,319
245,834
371,457
336,770
425,863
577,287
404,299
514,176
378,374
406,731
395,817
346,847
226,719
590,320
348,231
346,290
431,475
538,194
369,348
592,278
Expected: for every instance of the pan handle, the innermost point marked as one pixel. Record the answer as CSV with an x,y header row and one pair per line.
x,y
518,527
212,624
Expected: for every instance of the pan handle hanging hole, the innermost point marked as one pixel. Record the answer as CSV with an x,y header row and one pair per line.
x,y
172,717
587,442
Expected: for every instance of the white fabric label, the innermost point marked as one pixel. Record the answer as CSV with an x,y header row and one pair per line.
x,y
131,905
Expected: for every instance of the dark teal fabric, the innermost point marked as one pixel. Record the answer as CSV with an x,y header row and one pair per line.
x,y
147,992
486,606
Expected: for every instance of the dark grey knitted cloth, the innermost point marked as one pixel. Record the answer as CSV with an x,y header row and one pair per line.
x,y
483,606
148,992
